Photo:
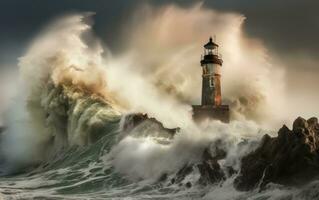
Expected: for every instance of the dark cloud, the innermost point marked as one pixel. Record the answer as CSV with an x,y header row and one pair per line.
x,y
20,21
286,26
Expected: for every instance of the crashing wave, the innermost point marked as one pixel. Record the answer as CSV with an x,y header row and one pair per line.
x,y
87,145
75,116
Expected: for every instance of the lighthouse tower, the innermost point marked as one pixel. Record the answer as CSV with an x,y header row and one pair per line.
x,y
211,64
211,101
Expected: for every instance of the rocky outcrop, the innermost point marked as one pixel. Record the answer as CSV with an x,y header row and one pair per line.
x,y
182,173
291,158
209,169
133,120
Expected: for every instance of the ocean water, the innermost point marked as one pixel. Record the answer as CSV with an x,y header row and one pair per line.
x,y
88,172
66,138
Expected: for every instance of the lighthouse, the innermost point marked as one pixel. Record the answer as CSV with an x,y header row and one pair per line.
x,y
211,64
211,98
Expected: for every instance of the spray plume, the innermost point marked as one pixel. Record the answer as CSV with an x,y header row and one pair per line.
x,y
64,72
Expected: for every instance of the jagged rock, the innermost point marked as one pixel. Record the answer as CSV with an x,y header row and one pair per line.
x,y
210,169
163,178
135,119
299,123
188,185
182,173
289,159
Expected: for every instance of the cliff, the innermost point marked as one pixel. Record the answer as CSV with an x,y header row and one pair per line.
x,y
291,158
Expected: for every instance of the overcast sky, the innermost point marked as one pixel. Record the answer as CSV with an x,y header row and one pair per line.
x,y
285,26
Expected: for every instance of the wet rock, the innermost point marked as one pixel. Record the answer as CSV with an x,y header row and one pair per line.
x,y
163,178
181,175
300,123
183,172
188,185
230,171
291,158
313,123
133,120
210,169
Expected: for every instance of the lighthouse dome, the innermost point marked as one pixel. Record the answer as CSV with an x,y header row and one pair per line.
x,y
210,44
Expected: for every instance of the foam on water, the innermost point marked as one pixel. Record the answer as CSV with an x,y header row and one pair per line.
x,y
64,140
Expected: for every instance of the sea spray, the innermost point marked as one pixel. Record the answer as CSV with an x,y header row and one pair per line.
x,y
61,55
74,94
165,45
149,159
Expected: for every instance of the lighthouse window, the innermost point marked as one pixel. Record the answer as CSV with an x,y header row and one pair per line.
x,y
211,83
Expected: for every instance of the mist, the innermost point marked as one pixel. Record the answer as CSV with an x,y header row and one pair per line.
x,y
157,72
166,51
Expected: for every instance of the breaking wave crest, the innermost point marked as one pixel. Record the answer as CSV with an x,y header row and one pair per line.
x,y
77,137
